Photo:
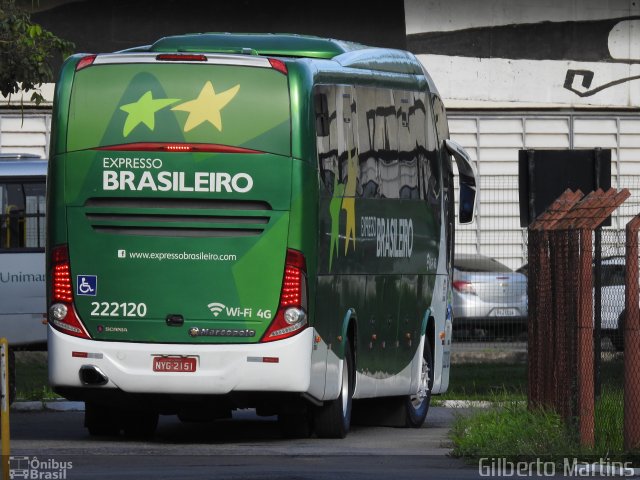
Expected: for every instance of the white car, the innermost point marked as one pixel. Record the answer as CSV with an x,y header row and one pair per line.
x,y
612,288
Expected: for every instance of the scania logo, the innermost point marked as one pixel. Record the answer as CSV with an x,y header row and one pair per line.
x,y
221,332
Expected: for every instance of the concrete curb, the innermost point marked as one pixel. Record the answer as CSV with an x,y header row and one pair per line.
x,y
50,405
66,406
466,404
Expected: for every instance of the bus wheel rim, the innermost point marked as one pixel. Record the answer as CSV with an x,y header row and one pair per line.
x,y
423,389
344,391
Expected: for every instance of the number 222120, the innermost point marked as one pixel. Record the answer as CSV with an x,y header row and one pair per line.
x,y
115,309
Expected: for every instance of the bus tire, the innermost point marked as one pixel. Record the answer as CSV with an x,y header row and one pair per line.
x,y
416,406
101,421
333,419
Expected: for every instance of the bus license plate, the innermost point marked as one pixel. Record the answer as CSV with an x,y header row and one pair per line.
x,y
505,312
174,364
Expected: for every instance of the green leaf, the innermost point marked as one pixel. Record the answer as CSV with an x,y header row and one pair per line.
x,y
25,52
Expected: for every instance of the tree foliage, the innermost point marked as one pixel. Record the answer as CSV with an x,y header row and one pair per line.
x,y
25,52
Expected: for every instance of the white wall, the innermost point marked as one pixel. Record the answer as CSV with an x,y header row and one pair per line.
x,y
537,45
25,132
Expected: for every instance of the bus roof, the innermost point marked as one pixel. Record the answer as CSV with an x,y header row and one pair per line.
x,y
256,43
22,168
347,54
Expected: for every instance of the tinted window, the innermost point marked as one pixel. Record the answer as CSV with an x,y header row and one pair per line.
x,y
327,145
440,117
383,139
22,220
386,144
347,142
480,264
369,175
407,151
148,102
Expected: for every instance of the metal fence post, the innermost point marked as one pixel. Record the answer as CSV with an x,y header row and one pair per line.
x,y
566,343
586,398
631,426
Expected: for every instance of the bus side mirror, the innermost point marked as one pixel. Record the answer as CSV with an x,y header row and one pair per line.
x,y
467,178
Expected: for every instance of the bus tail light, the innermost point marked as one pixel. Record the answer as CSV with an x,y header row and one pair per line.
x,y
279,65
62,313
85,62
291,317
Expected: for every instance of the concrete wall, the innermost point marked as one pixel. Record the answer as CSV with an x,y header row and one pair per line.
x,y
524,53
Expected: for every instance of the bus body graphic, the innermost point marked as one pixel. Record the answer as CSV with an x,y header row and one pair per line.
x,y
279,226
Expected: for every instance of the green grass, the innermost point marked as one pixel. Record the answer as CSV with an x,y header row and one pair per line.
x,y
508,381
31,376
486,381
609,421
510,430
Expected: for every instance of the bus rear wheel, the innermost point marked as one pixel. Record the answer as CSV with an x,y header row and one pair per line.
x,y
333,419
417,406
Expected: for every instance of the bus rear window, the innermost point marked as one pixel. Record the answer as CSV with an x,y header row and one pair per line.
x,y
239,106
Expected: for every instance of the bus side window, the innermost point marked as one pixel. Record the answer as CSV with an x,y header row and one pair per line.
x,y
22,215
34,200
433,158
442,133
407,152
12,216
322,114
440,118
386,144
347,143
326,136
3,206
366,126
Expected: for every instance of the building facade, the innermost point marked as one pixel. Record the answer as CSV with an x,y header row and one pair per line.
x,y
521,74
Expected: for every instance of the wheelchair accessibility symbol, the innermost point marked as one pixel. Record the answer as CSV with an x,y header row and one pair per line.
x,y
87,285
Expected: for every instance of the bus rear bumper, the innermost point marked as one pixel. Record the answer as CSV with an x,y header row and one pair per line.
x,y
280,366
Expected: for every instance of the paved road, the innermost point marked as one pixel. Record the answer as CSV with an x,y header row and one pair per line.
x,y
246,447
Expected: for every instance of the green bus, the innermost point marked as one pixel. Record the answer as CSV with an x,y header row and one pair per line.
x,y
251,221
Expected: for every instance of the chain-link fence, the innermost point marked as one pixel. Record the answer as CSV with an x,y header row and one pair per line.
x,y
566,307
493,316
490,274
577,319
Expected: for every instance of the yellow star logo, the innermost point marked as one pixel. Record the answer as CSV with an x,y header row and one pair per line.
x,y
144,111
206,108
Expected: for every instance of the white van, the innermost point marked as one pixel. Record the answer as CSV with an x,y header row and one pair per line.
x,y
22,240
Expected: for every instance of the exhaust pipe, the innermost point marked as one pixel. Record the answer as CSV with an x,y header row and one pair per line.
x,y
92,375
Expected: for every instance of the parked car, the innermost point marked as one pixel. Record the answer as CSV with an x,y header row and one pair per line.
x,y
612,288
488,296
613,271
